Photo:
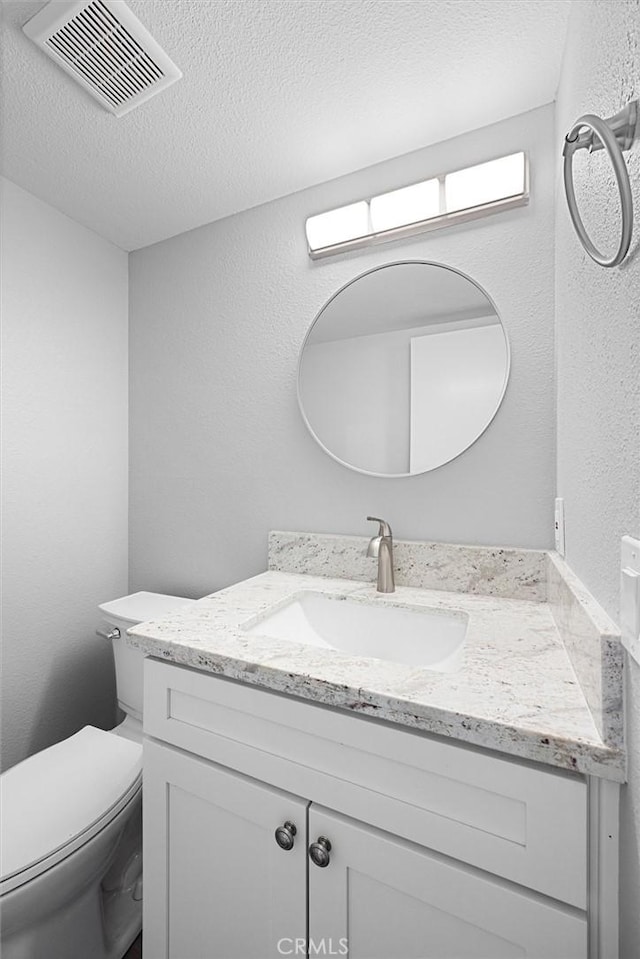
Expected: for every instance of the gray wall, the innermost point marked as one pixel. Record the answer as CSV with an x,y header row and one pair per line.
x,y
64,470
598,348
219,452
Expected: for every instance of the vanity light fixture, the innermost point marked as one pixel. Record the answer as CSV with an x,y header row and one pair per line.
x,y
476,191
347,222
421,201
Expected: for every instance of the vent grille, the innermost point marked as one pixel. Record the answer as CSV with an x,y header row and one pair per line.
x,y
106,48
104,52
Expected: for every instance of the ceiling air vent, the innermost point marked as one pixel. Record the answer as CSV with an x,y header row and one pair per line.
x,y
106,49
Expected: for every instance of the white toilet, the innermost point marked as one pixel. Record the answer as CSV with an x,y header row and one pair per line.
x,y
70,823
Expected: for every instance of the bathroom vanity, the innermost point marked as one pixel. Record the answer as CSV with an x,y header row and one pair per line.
x,y
307,800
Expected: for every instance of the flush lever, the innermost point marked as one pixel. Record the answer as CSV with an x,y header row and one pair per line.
x,y
109,635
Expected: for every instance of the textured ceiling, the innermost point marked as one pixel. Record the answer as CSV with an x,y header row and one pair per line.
x,y
276,95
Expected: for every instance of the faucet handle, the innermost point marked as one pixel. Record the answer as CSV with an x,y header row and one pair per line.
x,y
385,529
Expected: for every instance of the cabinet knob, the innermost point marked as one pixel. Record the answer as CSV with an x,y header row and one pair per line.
x,y
319,852
284,835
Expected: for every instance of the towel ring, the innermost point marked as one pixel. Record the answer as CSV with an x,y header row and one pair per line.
x,y
614,135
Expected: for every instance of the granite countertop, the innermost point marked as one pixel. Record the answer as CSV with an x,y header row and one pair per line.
x,y
516,691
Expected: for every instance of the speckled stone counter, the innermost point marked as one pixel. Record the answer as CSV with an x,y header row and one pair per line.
x,y
516,692
481,570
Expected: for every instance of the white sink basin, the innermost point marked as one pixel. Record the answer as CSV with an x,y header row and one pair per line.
x,y
416,636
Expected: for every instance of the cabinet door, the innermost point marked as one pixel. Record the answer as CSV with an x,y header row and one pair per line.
x,y
216,883
381,897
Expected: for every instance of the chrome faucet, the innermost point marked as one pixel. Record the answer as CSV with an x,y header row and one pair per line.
x,y
381,546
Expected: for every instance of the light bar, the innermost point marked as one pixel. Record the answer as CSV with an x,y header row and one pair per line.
x,y
476,191
347,222
486,183
411,204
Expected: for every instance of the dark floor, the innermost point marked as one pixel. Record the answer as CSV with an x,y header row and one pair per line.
x,y
135,952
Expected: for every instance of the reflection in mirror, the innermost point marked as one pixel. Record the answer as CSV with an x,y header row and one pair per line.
x,y
403,369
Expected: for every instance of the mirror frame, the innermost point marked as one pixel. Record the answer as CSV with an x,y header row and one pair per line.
x,y
360,276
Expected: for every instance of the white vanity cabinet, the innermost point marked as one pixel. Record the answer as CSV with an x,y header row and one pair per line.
x,y
217,886
433,850
390,899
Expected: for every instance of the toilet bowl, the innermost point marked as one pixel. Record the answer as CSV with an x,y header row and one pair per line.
x,y
71,826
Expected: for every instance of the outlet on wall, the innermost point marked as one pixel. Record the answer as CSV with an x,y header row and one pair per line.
x,y
630,596
558,525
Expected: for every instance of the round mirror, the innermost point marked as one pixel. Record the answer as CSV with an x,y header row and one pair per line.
x,y
403,369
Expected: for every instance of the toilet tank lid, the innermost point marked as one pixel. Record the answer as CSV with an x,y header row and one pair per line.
x,y
54,796
143,606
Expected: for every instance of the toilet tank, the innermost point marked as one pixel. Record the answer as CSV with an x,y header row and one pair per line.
x,y
124,613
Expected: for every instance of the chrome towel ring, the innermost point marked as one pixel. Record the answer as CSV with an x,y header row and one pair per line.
x,y
614,135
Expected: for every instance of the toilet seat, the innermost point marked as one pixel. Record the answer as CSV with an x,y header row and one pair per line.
x,y
57,800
